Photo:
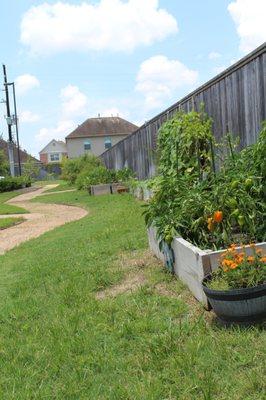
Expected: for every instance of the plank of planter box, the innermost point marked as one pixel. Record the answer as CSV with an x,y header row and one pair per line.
x,y
97,190
154,243
215,255
114,187
190,267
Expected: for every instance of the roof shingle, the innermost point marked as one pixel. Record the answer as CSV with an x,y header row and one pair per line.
x,y
103,126
23,154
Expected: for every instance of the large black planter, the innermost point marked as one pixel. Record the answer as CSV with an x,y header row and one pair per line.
x,y
239,306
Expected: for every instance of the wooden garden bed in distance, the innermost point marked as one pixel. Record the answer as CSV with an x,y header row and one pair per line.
x,y
108,188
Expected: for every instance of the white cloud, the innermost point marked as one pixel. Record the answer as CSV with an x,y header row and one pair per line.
x,y
113,25
28,117
249,17
214,55
26,82
62,129
159,78
74,102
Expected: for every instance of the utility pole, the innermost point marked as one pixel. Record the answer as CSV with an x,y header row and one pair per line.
x,y
9,126
16,124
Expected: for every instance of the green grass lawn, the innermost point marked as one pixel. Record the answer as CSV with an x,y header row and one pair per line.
x,y
8,208
57,341
8,222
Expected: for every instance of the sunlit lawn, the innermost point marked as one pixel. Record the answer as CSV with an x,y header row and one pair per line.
x,y
8,208
59,342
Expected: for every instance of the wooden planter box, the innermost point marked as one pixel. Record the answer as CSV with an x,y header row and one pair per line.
x,y
192,264
109,188
98,190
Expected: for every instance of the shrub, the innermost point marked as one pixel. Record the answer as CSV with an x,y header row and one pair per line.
x,y
71,168
14,183
30,169
89,170
94,176
124,175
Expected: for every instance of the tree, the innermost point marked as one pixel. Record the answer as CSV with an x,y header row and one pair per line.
x,y
4,166
30,169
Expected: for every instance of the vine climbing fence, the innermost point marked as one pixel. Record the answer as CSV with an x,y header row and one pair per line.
x,y
235,100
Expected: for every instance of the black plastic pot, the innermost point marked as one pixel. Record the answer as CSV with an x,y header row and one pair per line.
x,y
239,306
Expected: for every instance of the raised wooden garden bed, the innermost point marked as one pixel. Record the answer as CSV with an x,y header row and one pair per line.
x,y
192,264
97,190
109,188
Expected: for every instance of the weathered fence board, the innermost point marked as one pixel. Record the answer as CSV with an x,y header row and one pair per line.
x,y
235,99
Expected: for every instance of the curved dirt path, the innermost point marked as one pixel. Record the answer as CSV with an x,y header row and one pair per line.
x,y
42,218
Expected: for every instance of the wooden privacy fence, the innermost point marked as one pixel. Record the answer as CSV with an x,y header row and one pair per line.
x,y
234,99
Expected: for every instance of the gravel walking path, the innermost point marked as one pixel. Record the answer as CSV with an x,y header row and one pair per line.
x,y
42,218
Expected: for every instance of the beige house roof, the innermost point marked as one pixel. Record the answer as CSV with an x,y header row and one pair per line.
x,y
103,126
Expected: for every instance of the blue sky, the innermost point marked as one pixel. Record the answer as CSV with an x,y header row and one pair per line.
x,y
74,59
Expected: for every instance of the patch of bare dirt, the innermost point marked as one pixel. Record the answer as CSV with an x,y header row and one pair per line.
x,y
130,284
59,192
138,260
42,218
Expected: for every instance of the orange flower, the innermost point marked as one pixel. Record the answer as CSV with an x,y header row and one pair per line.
x,y
263,259
233,265
218,216
226,263
250,258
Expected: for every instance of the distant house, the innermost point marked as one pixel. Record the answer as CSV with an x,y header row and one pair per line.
x,y
96,135
23,155
53,152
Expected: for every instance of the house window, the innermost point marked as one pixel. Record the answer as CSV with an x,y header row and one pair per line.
x,y
54,157
87,145
107,143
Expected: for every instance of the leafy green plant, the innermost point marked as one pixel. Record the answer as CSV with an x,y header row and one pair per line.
x,y
71,168
185,200
124,175
89,170
184,144
94,176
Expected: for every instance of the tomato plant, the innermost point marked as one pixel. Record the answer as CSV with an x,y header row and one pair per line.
x,y
210,209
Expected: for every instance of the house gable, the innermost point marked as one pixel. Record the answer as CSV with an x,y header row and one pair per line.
x,y
54,146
